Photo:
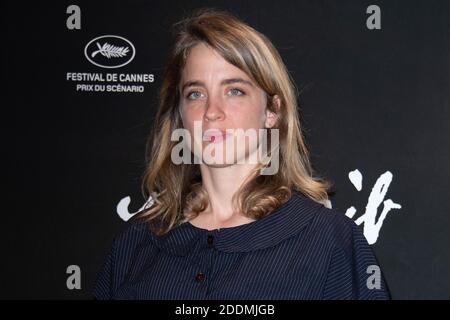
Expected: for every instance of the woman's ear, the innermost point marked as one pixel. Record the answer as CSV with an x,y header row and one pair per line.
x,y
272,117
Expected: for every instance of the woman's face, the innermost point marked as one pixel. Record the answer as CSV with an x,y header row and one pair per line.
x,y
217,96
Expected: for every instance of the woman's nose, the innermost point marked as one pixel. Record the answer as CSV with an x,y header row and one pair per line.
x,y
214,111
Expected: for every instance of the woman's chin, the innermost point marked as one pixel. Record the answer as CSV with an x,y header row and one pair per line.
x,y
219,165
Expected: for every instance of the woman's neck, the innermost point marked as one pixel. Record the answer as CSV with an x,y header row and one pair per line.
x,y
221,184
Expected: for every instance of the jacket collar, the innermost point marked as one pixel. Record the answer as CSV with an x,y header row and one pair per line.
x,y
285,221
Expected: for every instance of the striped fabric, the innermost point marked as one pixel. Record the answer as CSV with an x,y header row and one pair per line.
x,y
301,250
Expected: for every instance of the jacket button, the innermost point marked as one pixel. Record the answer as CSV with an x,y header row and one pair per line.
x,y
210,240
200,277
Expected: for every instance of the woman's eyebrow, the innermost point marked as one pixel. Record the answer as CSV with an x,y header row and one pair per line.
x,y
198,83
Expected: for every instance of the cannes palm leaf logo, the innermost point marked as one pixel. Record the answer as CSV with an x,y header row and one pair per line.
x,y
110,51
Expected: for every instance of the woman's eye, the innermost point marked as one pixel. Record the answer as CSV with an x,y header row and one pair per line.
x,y
193,95
237,92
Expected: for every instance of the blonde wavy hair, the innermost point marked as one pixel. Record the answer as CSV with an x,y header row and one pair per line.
x,y
177,189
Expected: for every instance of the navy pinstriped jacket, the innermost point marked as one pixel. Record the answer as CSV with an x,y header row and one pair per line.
x,y
301,250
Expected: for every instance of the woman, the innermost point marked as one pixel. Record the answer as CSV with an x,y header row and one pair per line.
x,y
224,228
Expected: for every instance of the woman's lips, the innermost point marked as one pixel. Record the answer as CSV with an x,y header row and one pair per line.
x,y
215,136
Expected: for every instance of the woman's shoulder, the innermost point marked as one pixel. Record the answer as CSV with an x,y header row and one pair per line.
x,y
321,223
333,225
134,240
133,232
325,215
353,265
